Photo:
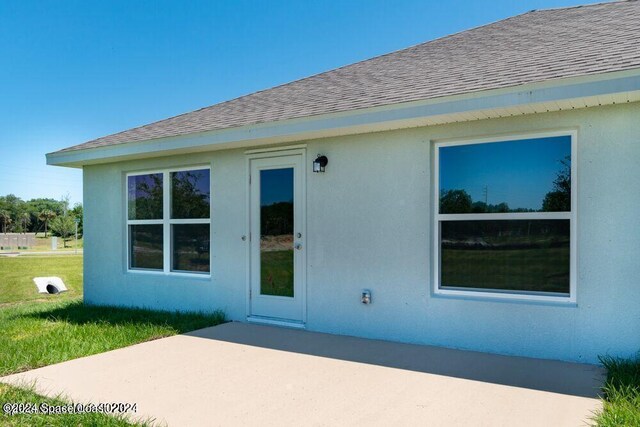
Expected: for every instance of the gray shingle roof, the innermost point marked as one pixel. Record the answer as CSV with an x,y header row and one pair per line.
x,y
532,47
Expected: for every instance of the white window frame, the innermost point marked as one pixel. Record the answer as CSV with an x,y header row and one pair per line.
x,y
571,216
166,222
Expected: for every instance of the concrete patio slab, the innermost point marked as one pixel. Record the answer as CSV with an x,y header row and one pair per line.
x,y
239,374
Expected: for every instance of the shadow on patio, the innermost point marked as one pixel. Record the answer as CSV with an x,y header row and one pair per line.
x,y
538,374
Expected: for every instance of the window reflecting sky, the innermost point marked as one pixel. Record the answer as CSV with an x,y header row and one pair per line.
x,y
196,181
141,186
145,196
519,173
190,194
276,186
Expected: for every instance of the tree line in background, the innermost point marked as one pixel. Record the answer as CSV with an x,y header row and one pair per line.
x,y
39,216
276,219
557,200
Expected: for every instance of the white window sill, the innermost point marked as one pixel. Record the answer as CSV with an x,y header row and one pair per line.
x,y
522,298
195,276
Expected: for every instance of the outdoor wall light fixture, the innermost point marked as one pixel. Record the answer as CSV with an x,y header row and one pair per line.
x,y
320,163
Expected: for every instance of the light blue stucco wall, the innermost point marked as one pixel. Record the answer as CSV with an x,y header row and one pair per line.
x,y
369,226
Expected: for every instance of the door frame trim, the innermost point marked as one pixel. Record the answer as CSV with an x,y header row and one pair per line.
x,y
284,151
270,149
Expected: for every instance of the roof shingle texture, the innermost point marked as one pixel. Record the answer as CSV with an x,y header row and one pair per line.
x,y
533,47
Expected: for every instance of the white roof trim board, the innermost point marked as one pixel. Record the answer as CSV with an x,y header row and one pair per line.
x,y
544,60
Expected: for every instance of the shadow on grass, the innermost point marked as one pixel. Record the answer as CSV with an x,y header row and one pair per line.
x,y
622,373
79,313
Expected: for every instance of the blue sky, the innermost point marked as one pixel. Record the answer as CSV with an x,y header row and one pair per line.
x,y
519,173
276,186
72,71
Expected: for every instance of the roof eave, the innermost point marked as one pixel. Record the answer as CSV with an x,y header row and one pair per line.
x,y
551,95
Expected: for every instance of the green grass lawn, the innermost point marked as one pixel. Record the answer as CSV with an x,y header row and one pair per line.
x,y
16,277
621,403
539,269
14,394
276,275
38,334
38,330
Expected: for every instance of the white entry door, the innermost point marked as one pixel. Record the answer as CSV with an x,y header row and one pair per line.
x,y
277,275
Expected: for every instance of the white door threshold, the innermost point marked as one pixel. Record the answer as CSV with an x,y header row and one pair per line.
x,y
276,322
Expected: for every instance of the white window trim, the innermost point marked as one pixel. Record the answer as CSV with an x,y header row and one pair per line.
x,y
166,222
571,216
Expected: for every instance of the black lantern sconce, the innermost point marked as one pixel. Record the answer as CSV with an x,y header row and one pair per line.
x,y
320,163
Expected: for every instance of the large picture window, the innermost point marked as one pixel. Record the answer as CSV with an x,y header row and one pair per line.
x,y
504,218
168,221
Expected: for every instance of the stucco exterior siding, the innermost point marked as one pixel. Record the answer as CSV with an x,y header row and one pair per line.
x,y
370,226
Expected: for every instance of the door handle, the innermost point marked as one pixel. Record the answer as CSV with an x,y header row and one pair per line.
x,y
297,246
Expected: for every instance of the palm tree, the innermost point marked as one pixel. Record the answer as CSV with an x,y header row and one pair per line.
x,y
46,215
25,220
5,217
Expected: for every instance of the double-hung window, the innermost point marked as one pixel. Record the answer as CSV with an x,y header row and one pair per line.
x,y
505,217
168,221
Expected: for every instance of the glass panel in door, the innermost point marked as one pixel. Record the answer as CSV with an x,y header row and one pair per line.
x,y
276,232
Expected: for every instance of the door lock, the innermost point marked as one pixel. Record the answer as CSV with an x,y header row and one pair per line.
x,y
298,246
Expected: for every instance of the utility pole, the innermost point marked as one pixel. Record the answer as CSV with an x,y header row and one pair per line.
x,y
485,191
